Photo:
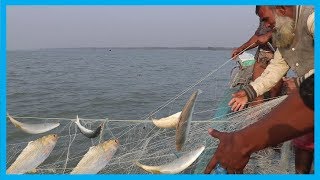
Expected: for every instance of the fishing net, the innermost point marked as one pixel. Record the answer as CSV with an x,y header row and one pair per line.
x,y
142,141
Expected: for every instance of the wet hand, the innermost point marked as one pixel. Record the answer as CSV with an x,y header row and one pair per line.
x,y
230,153
239,100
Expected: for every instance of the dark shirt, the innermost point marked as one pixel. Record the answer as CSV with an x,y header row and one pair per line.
x,y
307,91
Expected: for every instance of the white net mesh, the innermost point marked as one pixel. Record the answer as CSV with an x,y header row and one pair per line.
x,y
142,141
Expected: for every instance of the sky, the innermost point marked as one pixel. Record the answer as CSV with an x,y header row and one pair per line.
x,y
36,27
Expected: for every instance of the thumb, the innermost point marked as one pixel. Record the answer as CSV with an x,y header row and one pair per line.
x,y
214,133
211,165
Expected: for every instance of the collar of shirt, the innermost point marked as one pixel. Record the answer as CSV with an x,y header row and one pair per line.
x,y
298,11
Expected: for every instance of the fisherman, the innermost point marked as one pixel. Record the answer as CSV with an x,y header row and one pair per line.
x,y
262,39
235,148
293,36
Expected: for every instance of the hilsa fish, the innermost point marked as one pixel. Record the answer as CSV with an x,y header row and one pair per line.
x,y
167,122
175,166
33,128
183,126
87,132
96,158
33,155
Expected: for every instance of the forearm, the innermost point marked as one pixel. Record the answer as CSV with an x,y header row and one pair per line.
x,y
246,45
277,68
289,120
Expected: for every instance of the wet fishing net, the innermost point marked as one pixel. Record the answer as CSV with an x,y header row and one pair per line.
x,y
141,140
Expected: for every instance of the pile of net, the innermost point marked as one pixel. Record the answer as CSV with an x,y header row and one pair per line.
x,y
141,140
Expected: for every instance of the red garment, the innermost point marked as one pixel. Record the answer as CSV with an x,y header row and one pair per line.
x,y
305,142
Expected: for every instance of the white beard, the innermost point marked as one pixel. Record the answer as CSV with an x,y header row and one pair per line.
x,y
284,34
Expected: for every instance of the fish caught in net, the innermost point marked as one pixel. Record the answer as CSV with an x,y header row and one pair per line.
x,y
141,141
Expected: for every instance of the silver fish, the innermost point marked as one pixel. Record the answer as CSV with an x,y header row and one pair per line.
x,y
33,128
96,158
167,122
175,166
183,126
87,132
33,155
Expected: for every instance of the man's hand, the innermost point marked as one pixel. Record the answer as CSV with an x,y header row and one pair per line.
x,y
236,53
289,84
239,100
263,39
230,153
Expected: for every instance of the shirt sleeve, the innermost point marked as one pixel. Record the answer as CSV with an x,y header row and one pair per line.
x,y
277,68
299,80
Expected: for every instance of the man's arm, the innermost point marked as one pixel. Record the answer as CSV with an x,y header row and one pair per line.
x,y
277,68
252,41
290,119
269,78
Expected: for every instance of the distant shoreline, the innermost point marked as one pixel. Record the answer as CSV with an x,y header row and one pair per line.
x,y
147,48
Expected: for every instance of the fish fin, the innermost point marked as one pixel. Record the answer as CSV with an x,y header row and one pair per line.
x,y
156,172
17,126
138,164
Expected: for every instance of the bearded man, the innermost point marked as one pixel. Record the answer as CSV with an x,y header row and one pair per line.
x,y
293,36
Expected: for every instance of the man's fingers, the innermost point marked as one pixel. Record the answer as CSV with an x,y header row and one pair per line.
x,y
234,106
239,171
214,133
233,100
211,165
238,107
241,107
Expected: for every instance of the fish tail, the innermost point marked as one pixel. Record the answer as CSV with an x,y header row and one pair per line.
x,y
178,147
76,120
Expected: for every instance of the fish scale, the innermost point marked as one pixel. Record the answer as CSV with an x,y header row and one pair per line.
x,y
96,158
33,155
